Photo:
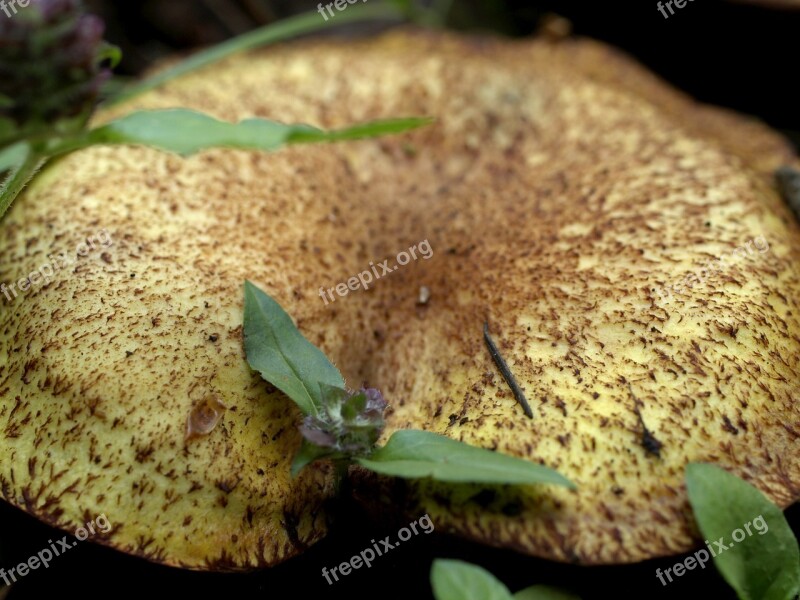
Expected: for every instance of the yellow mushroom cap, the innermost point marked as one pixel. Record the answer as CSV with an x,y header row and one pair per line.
x,y
560,188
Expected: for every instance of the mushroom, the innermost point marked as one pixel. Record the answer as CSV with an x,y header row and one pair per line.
x,y
564,185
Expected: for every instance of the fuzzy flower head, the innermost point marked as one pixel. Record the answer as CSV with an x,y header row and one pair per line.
x,y
348,422
50,55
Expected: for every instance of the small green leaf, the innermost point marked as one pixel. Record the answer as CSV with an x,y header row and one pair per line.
x,y
277,350
23,163
544,592
763,564
307,454
413,454
458,580
353,406
108,52
187,132
13,156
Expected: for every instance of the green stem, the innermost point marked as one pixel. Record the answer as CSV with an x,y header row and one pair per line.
x,y
276,32
342,467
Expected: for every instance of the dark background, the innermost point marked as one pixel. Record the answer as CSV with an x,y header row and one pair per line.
x,y
735,55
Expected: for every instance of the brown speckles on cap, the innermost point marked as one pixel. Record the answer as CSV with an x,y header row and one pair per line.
x,y
591,186
564,182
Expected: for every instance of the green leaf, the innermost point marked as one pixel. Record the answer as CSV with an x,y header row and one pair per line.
x,y
414,454
305,134
13,156
762,565
23,163
275,32
108,52
544,592
458,580
187,132
276,349
307,454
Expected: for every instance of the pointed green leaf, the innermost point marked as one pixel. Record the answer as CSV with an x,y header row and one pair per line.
x,y
187,132
307,135
544,592
276,349
413,454
762,559
458,580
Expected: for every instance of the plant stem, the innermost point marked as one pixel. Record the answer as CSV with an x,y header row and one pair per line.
x,y
342,466
436,16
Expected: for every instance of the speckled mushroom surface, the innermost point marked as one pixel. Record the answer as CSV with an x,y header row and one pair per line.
x,y
562,189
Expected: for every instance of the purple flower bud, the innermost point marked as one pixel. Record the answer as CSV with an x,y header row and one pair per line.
x,y
49,68
348,422
312,432
375,400
376,404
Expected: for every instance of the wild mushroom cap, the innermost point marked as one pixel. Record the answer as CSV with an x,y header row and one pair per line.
x,y
561,185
